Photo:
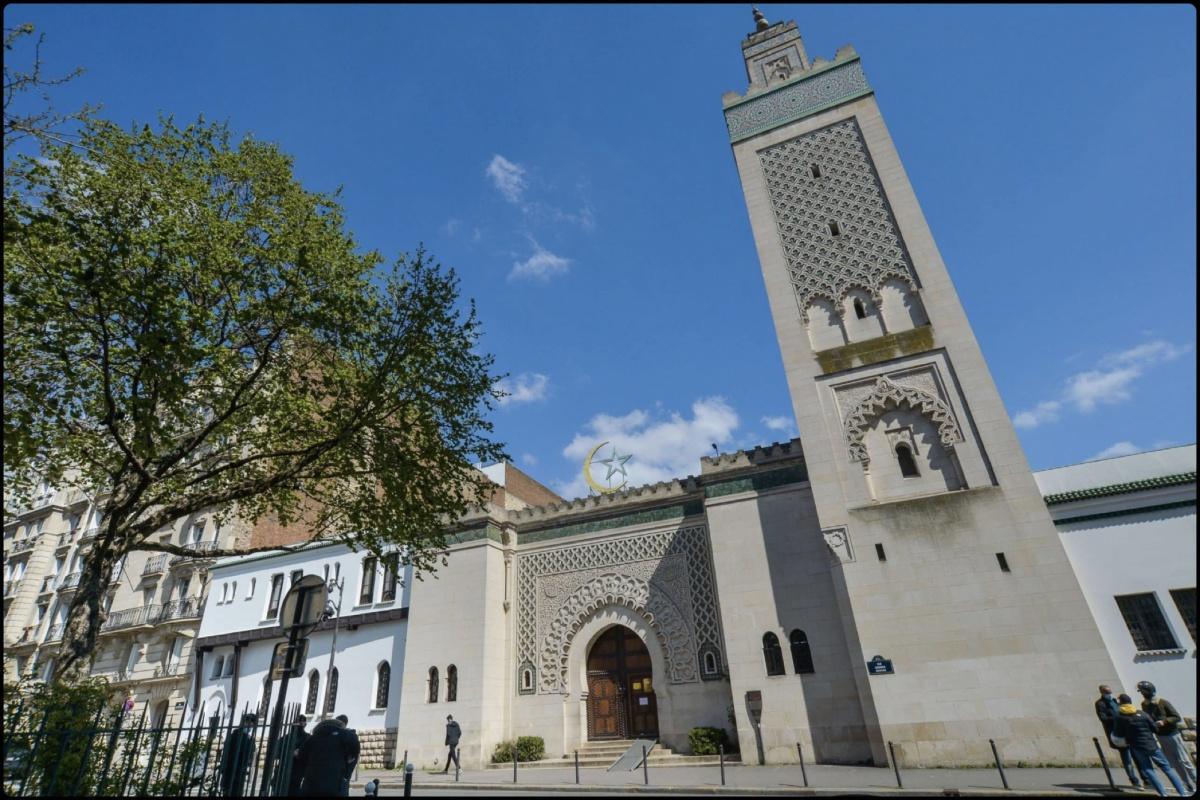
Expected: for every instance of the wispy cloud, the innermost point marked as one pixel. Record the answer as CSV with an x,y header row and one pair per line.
x,y
1129,448
507,177
784,424
529,459
542,265
451,226
1108,383
663,446
528,387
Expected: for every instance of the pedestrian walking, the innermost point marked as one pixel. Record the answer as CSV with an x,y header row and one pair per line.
x,y
453,735
237,757
1107,712
299,737
1166,726
323,759
1137,730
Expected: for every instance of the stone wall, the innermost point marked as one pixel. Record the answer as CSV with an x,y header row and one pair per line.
x,y
378,749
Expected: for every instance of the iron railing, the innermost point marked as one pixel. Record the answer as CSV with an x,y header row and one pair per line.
x,y
105,753
69,581
199,547
24,544
188,608
12,587
155,564
55,633
48,584
129,617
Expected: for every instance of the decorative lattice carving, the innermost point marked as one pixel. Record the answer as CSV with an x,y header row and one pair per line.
x,y
886,395
867,250
554,588
652,602
772,109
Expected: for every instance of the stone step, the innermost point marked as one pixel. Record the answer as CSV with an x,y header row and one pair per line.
x,y
592,762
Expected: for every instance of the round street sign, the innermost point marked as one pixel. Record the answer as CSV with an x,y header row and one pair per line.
x,y
307,595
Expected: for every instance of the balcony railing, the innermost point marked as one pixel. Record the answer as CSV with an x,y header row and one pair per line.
x,y
156,564
67,539
29,634
89,534
177,669
69,581
55,633
12,587
24,544
189,608
48,584
129,617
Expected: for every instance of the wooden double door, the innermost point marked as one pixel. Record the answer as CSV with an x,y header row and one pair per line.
x,y
621,700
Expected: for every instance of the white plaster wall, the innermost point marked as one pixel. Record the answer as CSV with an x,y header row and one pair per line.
x,y
773,574
825,326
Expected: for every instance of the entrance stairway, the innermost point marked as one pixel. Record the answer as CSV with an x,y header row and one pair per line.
x,y
604,753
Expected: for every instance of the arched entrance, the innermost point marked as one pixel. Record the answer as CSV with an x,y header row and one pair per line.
x,y
621,701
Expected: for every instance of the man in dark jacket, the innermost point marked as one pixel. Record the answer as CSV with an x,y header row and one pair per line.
x,y
354,748
237,757
1107,712
453,734
323,760
1166,725
299,737
1138,732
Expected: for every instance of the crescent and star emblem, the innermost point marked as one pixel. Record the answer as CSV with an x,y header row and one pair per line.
x,y
615,464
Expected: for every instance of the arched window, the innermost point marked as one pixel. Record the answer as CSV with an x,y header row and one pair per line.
x,y
860,311
908,464
801,654
773,654
451,683
314,686
433,684
383,678
527,680
710,663
331,692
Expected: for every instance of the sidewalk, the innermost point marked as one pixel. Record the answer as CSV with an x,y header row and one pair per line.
x,y
770,780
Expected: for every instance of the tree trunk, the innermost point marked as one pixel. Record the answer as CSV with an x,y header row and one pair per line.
x,y
83,623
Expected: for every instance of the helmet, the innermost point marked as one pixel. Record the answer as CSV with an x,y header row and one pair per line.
x,y
1145,686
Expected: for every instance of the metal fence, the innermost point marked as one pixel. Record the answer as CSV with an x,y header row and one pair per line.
x,y
128,755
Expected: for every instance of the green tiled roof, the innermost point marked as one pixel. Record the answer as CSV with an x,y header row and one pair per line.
x,y
1121,488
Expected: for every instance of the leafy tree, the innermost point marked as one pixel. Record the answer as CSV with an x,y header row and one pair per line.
x,y
21,119
187,328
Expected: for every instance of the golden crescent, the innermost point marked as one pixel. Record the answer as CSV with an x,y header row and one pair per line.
x,y
587,473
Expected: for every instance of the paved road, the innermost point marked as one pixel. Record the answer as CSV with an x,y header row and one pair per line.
x,y
758,780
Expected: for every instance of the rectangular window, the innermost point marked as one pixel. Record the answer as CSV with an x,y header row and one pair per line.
x,y
879,552
367,593
218,662
1185,601
229,665
1003,562
297,574
1146,622
197,533
391,564
276,591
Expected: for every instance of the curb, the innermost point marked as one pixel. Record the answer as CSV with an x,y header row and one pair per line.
x,y
759,791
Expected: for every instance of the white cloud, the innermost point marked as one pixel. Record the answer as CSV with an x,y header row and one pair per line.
x,y
1109,382
507,177
451,226
542,265
529,459
783,423
663,446
1046,411
1118,449
528,387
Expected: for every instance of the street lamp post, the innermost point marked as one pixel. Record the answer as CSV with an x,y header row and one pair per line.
x,y
336,583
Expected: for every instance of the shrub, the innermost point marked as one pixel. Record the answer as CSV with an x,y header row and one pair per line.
x,y
528,748
706,741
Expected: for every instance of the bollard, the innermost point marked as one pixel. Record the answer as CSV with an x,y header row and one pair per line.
x,y
1104,763
721,750
404,763
514,763
895,765
645,767
407,779
803,771
999,763
576,767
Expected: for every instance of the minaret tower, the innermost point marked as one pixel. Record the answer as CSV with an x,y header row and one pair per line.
x,y
946,560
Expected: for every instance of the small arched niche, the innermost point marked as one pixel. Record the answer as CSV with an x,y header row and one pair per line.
x,y
902,309
861,315
825,329
907,456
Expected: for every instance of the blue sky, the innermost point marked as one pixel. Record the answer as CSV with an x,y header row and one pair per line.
x,y
572,164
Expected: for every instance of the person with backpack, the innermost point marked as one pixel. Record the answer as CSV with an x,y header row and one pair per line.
x,y
1137,730
1166,726
1107,712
